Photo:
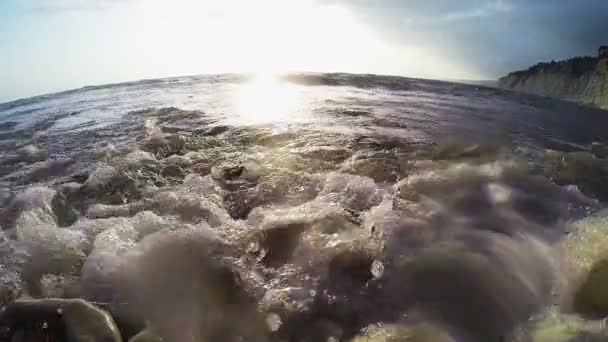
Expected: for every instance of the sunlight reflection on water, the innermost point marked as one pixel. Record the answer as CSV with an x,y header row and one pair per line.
x,y
266,99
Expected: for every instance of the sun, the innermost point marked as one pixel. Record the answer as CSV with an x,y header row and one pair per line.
x,y
266,99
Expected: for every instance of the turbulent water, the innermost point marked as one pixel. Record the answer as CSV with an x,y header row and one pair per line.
x,y
311,207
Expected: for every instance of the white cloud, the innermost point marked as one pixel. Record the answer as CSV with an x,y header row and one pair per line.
x,y
47,6
484,11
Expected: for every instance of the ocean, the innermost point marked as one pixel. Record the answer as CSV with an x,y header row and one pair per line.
x,y
303,207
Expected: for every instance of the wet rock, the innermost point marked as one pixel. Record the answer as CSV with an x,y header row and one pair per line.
x,y
7,295
201,168
99,211
198,143
589,173
103,271
48,169
164,144
91,228
196,157
35,200
31,154
59,286
239,204
110,185
286,300
460,150
146,336
102,178
351,267
379,166
392,332
554,326
599,150
71,320
181,161
106,153
462,288
173,171
135,159
277,244
591,298
65,213
51,250
201,297
189,207
355,193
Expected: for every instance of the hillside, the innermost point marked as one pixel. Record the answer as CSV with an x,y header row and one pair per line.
x,y
580,79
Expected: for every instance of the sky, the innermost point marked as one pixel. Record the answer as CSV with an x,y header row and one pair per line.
x,y
53,45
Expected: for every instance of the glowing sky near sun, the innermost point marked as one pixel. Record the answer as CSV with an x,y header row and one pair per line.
x,y
59,48
53,45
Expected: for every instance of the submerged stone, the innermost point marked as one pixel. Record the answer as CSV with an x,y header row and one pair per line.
x,y
402,333
591,298
146,336
71,320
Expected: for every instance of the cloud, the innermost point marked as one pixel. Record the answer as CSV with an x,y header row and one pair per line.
x,y
484,11
58,6
494,36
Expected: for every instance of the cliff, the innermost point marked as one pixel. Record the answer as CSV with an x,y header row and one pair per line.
x,y
580,79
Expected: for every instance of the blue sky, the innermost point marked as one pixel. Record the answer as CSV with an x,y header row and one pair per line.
x,y
53,45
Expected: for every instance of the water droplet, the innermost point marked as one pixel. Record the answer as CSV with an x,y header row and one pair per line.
x,y
273,321
377,269
45,325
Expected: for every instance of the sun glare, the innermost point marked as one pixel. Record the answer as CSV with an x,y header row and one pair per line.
x,y
266,99
268,36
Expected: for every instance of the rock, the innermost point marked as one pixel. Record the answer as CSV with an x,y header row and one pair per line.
x,y
146,336
189,207
72,320
146,223
37,200
110,185
65,213
354,192
380,167
463,288
59,286
405,333
51,250
164,145
91,228
278,243
177,160
31,154
350,267
135,159
202,168
48,169
196,157
201,297
106,153
554,326
98,211
7,295
102,178
599,150
591,297
173,171
589,173
458,150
